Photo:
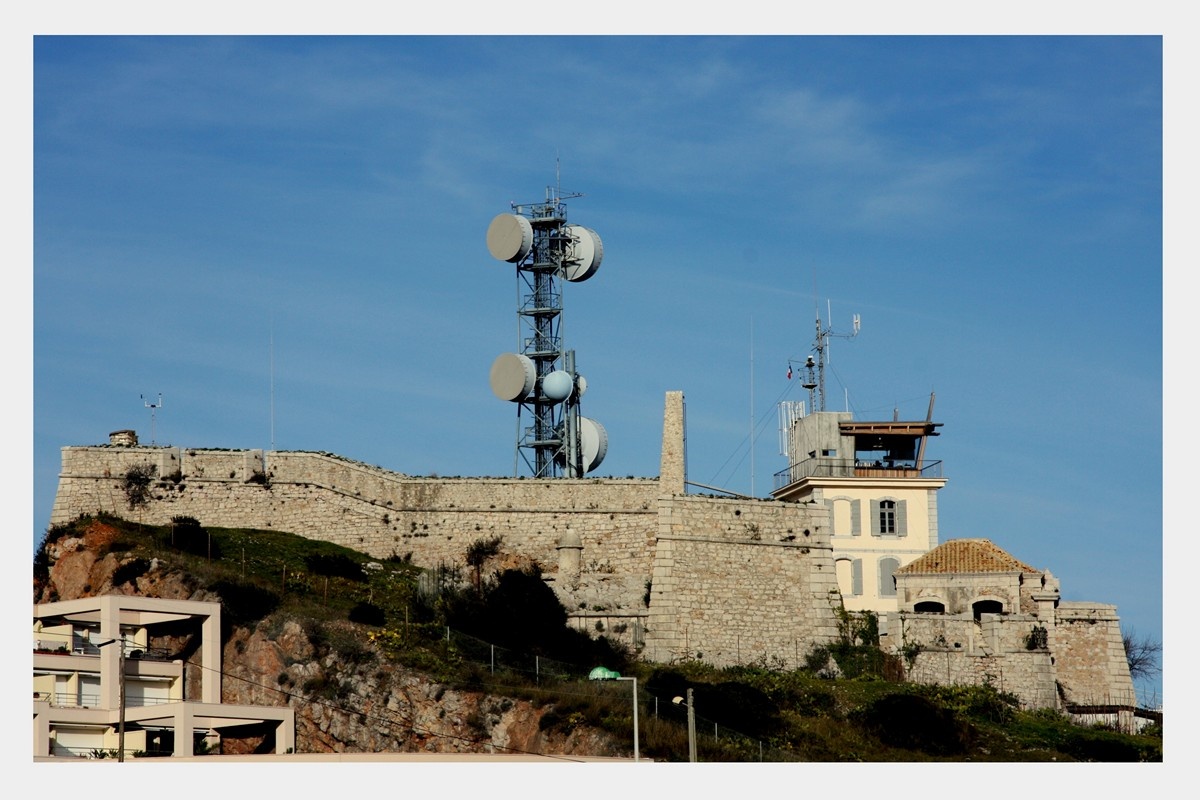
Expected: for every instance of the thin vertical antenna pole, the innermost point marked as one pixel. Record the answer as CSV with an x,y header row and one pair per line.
x,y
752,405
271,358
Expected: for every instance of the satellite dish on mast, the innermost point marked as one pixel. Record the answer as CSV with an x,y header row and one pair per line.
x,y
510,237
584,256
593,444
513,377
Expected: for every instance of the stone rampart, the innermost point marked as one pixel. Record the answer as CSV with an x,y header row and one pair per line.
x,y
370,509
740,581
1090,655
996,650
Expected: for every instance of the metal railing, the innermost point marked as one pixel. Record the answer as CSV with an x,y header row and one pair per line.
x,y
76,700
856,468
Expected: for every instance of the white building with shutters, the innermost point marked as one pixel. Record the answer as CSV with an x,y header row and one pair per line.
x,y
881,493
121,676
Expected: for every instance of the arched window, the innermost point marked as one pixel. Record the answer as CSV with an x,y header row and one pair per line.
x,y
849,576
844,516
986,607
930,607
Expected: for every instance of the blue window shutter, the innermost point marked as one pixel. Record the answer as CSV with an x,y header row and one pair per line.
x,y
887,584
902,518
874,517
856,517
856,577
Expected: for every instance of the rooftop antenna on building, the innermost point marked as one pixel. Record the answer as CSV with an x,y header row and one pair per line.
x,y
541,378
814,368
153,411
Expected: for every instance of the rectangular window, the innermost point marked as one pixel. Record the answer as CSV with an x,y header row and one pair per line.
x,y
887,517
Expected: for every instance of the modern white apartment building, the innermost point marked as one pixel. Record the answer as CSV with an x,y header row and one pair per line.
x,y
120,676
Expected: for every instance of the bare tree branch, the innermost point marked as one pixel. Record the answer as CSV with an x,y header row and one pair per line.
x,y
1143,654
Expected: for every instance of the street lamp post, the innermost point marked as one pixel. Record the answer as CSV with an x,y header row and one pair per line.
x,y
691,711
602,674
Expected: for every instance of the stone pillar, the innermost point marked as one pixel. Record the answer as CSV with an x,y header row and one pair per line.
x,y
673,472
210,657
570,556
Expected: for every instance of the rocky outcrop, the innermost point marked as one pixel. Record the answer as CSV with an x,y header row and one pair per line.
x,y
348,700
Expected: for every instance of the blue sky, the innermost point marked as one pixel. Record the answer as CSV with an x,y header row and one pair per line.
x,y
285,237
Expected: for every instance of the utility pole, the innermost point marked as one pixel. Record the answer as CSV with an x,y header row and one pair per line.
x,y
120,640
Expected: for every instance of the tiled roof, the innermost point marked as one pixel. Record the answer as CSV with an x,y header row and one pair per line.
x,y
965,555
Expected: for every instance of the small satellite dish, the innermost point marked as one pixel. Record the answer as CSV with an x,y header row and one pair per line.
x,y
557,385
584,256
581,385
510,237
513,377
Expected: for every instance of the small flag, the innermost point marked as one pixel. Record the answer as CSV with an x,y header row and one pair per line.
x,y
789,372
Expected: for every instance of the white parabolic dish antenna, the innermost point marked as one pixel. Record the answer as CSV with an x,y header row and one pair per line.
x,y
593,443
513,377
510,237
584,256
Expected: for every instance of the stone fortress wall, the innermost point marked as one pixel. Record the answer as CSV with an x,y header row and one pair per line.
x,y
733,580
371,509
723,580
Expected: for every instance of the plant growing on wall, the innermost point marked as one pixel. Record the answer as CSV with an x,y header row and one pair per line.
x,y
136,484
478,552
1037,639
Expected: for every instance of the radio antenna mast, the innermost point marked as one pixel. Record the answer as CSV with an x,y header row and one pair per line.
x,y
153,411
814,368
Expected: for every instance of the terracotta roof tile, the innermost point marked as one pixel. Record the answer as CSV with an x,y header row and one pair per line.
x,y
965,555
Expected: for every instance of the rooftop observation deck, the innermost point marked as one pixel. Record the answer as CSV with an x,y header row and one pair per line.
x,y
856,468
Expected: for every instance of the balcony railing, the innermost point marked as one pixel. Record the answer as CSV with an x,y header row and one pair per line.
x,y
75,700
856,468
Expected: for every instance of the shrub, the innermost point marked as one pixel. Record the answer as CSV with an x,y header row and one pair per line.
x,y
187,536
334,565
130,571
368,614
913,722
244,603
1037,639
136,484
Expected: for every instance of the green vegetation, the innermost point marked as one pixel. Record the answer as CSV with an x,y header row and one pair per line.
x,y
506,636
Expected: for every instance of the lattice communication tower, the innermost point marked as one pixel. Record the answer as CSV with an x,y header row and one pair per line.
x,y
553,439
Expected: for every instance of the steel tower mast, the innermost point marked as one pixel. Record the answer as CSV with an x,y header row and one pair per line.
x,y
541,379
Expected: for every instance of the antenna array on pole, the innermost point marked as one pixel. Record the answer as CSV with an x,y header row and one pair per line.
x,y
153,411
814,367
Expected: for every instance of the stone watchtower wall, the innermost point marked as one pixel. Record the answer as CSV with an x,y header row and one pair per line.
x,y
1090,655
739,581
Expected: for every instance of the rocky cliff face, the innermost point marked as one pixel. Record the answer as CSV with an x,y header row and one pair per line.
x,y
353,700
